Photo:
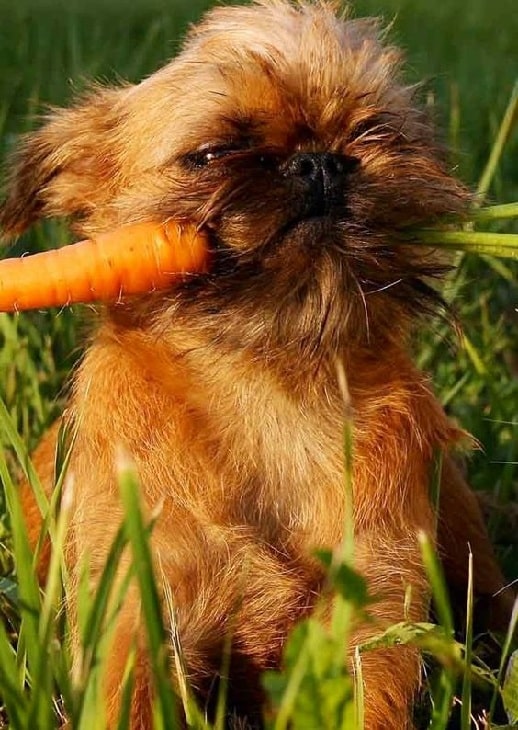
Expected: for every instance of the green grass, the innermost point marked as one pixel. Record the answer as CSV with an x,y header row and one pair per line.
x,y
49,49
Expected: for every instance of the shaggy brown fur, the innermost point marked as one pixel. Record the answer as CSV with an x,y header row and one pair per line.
x,y
224,390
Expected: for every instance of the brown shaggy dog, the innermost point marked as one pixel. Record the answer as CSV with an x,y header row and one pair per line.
x,y
286,132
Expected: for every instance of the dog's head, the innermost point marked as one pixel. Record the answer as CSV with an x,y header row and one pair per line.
x,y
287,133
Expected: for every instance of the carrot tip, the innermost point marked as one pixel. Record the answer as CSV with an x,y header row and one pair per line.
x,y
134,259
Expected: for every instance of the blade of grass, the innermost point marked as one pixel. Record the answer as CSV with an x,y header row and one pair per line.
x,y
95,625
359,695
343,610
28,590
11,435
96,616
474,356
99,622
193,716
504,132
443,700
454,119
31,653
12,694
128,682
465,718
152,612
52,602
346,553
501,269
435,483
437,582
506,650
290,694
221,707
453,392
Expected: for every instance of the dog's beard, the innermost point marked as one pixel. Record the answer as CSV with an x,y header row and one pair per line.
x,y
294,287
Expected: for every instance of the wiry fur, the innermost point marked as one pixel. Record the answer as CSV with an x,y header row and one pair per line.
x,y
224,391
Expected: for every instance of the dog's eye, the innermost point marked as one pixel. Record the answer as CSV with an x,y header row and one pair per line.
x,y
208,154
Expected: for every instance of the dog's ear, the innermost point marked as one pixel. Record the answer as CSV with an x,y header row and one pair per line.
x,y
66,168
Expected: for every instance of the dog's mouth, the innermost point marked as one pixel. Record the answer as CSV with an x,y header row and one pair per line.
x,y
302,234
225,258
319,278
313,230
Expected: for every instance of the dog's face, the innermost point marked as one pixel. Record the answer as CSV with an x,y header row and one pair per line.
x,y
284,131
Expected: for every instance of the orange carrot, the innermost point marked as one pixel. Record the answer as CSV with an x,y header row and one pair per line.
x,y
134,259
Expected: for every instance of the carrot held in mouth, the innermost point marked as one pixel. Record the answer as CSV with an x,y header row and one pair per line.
x,y
133,259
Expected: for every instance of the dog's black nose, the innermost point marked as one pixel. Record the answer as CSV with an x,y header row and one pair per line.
x,y
320,166
324,175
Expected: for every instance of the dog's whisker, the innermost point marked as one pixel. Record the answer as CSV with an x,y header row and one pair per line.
x,y
385,287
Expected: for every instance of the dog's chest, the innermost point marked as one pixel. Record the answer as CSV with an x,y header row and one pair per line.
x,y
220,444
275,462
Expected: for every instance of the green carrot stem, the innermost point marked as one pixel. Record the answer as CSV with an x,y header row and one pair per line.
x,y
486,243
495,212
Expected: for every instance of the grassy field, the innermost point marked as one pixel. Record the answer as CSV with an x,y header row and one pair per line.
x,y
468,54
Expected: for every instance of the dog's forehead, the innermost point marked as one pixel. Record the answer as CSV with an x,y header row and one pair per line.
x,y
305,52
274,64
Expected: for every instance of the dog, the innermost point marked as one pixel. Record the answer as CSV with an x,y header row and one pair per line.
x,y
287,133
